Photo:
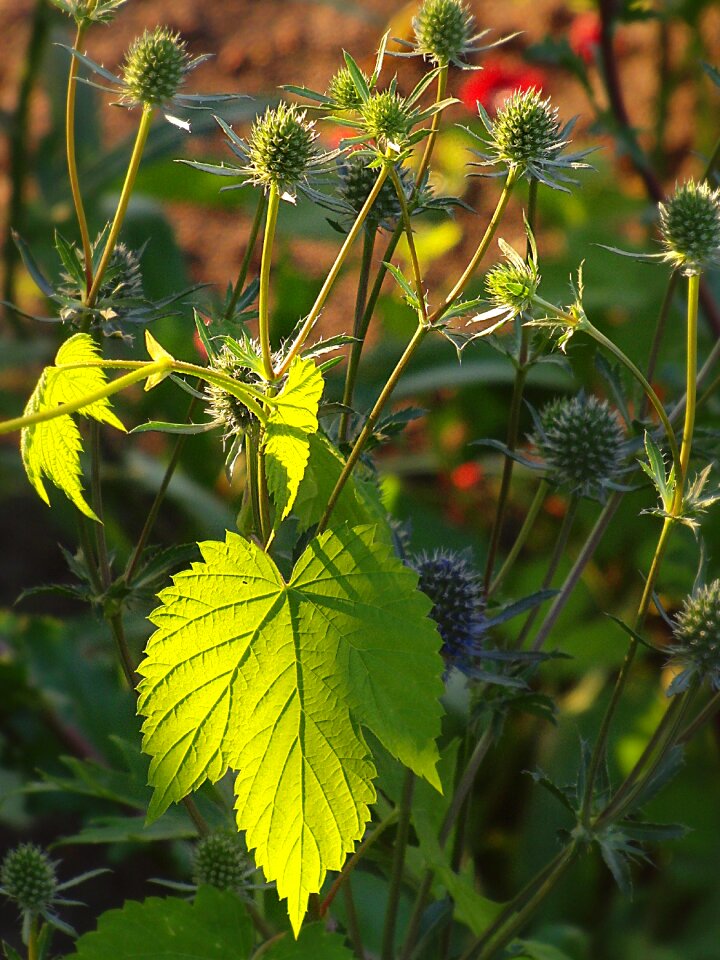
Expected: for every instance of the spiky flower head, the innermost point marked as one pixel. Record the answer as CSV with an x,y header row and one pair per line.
x,y
356,182
386,118
280,147
223,407
513,282
690,227
343,92
581,441
89,11
452,584
696,636
526,137
155,67
443,30
28,877
219,861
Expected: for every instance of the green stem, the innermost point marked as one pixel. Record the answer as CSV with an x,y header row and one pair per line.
x,y
245,265
72,158
273,207
18,159
659,333
690,391
97,502
334,271
705,370
465,784
481,250
434,127
413,928
133,166
398,867
263,496
353,922
32,946
523,534
553,563
576,571
359,330
706,714
407,226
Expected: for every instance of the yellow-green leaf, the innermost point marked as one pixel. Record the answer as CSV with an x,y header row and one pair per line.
x,y
52,449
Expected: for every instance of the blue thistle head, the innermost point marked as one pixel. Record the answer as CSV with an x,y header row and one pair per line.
x,y
449,580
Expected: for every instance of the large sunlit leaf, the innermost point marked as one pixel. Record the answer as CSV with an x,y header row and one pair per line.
x,y
52,449
275,679
214,927
292,420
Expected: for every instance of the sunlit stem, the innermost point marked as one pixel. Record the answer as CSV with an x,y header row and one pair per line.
x,y
264,295
434,127
407,225
133,167
245,265
690,392
359,329
72,159
332,275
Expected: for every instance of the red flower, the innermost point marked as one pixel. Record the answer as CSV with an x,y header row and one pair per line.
x,y
584,35
466,476
496,81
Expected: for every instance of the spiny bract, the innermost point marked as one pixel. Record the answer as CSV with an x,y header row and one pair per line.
x,y
526,128
28,877
343,91
513,285
690,226
449,580
280,147
443,30
581,441
219,861
155,67
386,118
697,636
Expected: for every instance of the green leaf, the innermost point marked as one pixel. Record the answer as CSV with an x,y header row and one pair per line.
x,y
358,503
52,449
275,680
292,420
534,950
214,927
314,942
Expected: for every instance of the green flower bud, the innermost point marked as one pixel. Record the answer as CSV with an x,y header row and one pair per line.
x,y
512,284
28,877
155,67
581,441
280,147
386,118
697,637
343,91
443,30
219,861
526,129
690,226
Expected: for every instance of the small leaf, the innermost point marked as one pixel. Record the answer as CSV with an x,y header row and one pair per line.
x,y
52,449
156,353
290,672
292,420
214,927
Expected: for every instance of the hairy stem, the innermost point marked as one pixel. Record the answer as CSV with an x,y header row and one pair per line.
x,y
273,207
133,167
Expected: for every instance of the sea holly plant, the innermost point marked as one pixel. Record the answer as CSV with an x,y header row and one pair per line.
x,y
318,692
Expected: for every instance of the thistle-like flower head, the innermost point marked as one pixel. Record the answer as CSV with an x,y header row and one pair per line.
x,y
356,182
28,877
88,11
582,444
449,580
690,227
155,67
240,362
387,118
281,147
343,91
526,137
510,287
696,636
219,860
443,31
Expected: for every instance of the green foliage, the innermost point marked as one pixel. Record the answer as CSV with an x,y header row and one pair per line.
x,y
52,449
291,671
214,927
314,941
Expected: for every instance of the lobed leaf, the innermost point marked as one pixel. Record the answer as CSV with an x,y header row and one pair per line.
x,y
275,679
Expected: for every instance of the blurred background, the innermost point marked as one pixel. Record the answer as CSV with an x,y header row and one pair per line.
x,y
634,74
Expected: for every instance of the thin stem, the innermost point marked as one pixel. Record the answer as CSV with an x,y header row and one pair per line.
x,y
407,226
133,166
398,867
553,563
706,714
157,502
690,391
418,337
413,928
481,250
350,864
705,370
576,571
245,265
72,158
659,333
263,496
32,946
359,330
465,784
434,126
18,160
273,207
523,534
334,271
353,923
97,502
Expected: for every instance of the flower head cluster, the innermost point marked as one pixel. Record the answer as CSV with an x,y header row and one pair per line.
x,y
219,860
526,138
690,227
582,444
449,580
696,636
